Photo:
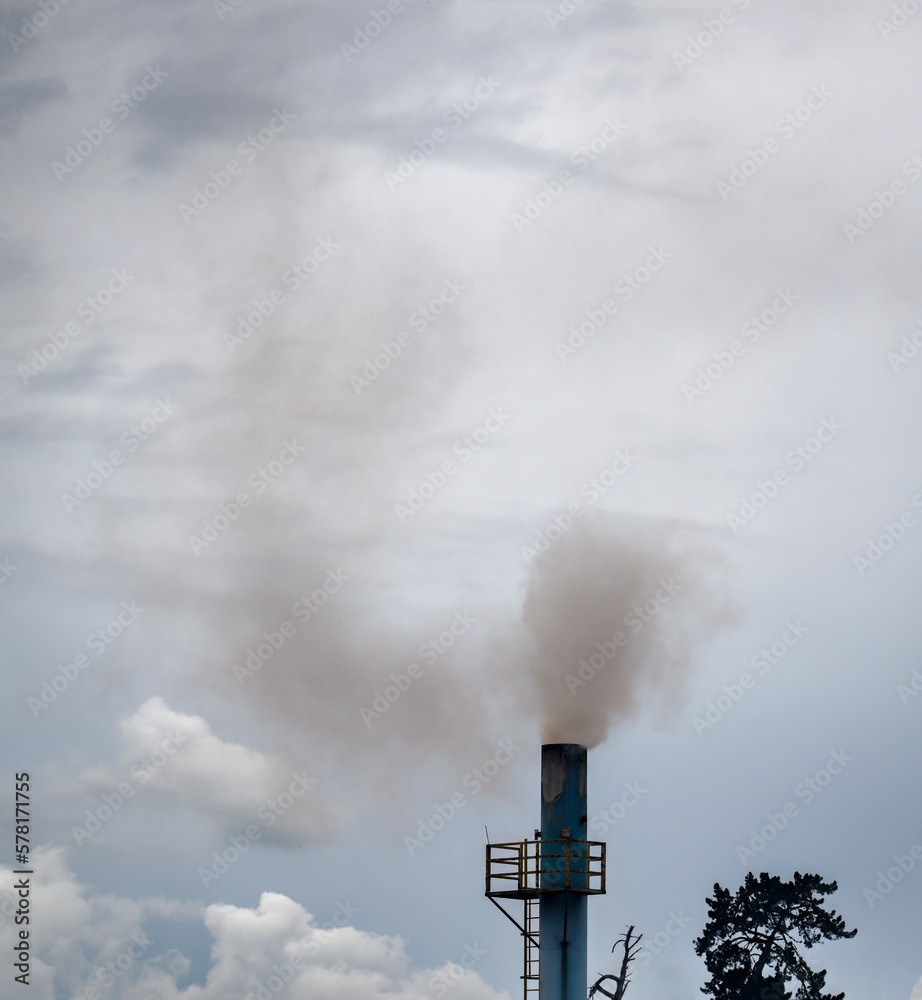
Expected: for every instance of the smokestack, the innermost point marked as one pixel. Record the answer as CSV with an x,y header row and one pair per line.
x,y
608,631
553,875
562,914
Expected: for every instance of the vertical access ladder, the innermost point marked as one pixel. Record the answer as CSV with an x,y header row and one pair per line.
x,y
532,952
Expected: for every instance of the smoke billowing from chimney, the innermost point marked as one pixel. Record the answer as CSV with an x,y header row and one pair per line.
x,y
616,607
333,510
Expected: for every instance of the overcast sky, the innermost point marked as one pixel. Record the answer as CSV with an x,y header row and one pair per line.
x,y
364,367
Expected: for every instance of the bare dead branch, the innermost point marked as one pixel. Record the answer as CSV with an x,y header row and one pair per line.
x,y
631,946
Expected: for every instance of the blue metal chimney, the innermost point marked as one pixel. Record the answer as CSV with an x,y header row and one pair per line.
x,y
553,875
562,916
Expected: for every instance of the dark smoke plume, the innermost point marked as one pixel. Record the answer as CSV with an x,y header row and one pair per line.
x,y
616,608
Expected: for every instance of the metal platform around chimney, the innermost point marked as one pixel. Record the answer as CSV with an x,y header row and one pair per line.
x,y
529,869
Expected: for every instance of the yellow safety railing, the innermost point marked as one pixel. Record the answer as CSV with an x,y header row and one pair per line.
x,y
525,869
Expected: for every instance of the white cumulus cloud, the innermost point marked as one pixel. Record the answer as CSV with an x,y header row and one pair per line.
x,y
86,941
78,932
178,757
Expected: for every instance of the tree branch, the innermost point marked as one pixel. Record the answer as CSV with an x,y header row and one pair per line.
x,y
631,948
